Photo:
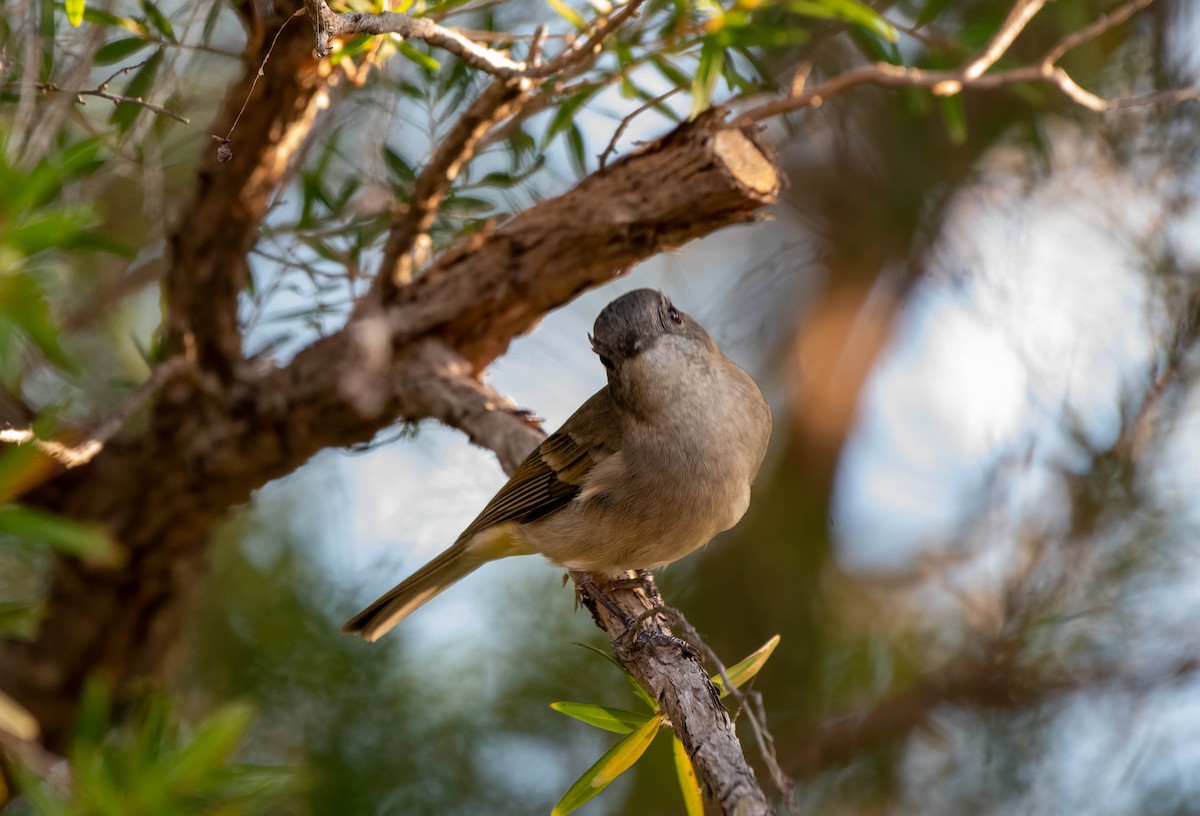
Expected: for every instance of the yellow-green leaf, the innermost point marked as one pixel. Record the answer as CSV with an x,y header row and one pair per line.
x,y
615,762
617,720
75,11
850,11
15,720
569,14
83,540
708,70
689,785
741,672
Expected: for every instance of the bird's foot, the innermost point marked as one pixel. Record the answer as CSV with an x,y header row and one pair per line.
x,y
585,583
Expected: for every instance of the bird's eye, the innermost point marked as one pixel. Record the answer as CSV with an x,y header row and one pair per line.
x,y
673,313
607,363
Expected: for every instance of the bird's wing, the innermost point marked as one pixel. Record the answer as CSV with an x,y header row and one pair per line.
x,y
556,471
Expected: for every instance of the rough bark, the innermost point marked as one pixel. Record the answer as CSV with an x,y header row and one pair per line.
x,y
215,437
672,673
216,229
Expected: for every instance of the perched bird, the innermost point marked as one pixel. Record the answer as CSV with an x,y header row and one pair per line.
x,y
646,471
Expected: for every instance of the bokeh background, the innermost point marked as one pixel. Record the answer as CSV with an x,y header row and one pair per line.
x,y
975,320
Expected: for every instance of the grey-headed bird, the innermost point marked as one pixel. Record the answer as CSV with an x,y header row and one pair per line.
x,y
648,470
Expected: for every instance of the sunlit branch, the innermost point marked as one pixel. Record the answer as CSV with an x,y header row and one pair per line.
x,y
329,24
75,455
1013,25
976,76
401,251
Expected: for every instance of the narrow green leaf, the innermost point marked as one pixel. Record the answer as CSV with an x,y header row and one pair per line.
x,y
615,762
118,50
708,69
400,168
210,22
689,785
671,72
211,746
158,20
351,47
105,18
74,10
564,116
47,27
617,720
419,57
930,12
954,114
578,150
849,11
743,671
92,718
23,304
466,205
82,540
633,683
569,14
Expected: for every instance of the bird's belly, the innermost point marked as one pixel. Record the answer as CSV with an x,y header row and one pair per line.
x,y
639,524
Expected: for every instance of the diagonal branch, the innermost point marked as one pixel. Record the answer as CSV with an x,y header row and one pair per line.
x,y
329,24
409,224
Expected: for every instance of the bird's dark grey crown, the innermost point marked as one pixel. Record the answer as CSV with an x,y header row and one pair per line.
x,y
625,326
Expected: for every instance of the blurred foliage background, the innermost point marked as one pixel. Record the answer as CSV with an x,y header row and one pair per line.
x,y
975,316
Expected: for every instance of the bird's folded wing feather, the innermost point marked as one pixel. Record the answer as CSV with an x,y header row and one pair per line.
x,y
555,472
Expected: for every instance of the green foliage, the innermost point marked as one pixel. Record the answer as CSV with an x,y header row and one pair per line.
x,y
85,541
36,229
616,761
639,731
569,14
153,765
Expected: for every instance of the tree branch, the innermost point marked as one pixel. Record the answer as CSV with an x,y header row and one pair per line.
x,y
329,24
401,254
116,99
213,234
975,76
671,672
72,456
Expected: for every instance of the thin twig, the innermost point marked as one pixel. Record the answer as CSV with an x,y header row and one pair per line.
x,y
1090,32
952,82
116,99
223,152
612,143
75,455
399,261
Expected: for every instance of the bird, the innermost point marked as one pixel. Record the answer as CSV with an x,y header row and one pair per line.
x,y
646,471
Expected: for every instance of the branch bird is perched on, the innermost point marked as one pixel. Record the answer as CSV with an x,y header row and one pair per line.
x,y
648,470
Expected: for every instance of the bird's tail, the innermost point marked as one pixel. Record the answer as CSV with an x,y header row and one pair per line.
x,y
456,563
